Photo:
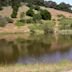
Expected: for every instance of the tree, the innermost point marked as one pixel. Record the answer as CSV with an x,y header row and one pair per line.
x,y
15,5
30,12
50,4
45,15
65,7
36,2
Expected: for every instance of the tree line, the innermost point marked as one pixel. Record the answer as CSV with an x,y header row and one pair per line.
x,y
62,6
51,4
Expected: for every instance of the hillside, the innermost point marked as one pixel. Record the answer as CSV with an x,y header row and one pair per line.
x,y
6,12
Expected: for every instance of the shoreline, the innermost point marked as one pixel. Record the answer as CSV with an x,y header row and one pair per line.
x,y
64,66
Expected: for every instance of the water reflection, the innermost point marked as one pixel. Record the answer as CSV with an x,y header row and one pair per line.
x,y
36,48
8,52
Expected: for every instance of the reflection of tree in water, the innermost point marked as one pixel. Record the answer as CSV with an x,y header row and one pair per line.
x,y
35,46
8,52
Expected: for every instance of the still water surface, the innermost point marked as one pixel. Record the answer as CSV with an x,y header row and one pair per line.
x,y
35,48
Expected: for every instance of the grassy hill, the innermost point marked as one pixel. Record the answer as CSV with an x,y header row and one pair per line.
x,y
54,24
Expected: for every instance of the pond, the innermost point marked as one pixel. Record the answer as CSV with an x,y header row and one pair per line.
x,y
28,49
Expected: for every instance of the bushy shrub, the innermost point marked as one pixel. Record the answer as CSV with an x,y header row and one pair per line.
x,y
9,20
47,30
29,20
3,21
20,23
1,7
30,12
22,15
30,5
14,14
15,4
61,15
22,20
37,17
65,23
37,7
45,15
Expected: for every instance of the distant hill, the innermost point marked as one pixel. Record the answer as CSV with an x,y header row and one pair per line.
x,y
8,10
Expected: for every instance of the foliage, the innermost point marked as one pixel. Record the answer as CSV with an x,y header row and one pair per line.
x,y
36,27
37,17
62,6
35,2
30,12
49,24
20,23
22,20
47,29
65,23
30,5
45,15
14,14
29,21
9,20
50,4
37,7
22,15
61,15
1,7
15,4
3,21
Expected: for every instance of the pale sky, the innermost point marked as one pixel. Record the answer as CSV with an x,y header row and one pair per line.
x,y
58,1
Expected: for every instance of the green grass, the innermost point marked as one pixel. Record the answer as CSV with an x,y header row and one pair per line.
x,y
49,24
65,23
18,23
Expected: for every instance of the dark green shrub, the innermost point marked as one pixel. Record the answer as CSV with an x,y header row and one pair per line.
x,y
1,7
15,4
37,17
29,20
22,20
37,7
20,23
14,14
9,20
45,15
30,12
29,5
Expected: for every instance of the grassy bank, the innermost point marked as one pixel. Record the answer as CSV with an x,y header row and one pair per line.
x,y
60,67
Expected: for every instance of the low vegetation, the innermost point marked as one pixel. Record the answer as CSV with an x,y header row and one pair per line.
x,y
37,17
4,21
36,7
10,20
30,12
65,23
20,22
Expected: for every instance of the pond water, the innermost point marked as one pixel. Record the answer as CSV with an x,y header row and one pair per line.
x,y
35,48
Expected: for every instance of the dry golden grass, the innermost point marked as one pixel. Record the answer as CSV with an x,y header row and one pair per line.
x,y
61,67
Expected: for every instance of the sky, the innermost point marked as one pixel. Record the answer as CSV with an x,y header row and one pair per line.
x,y
58,1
